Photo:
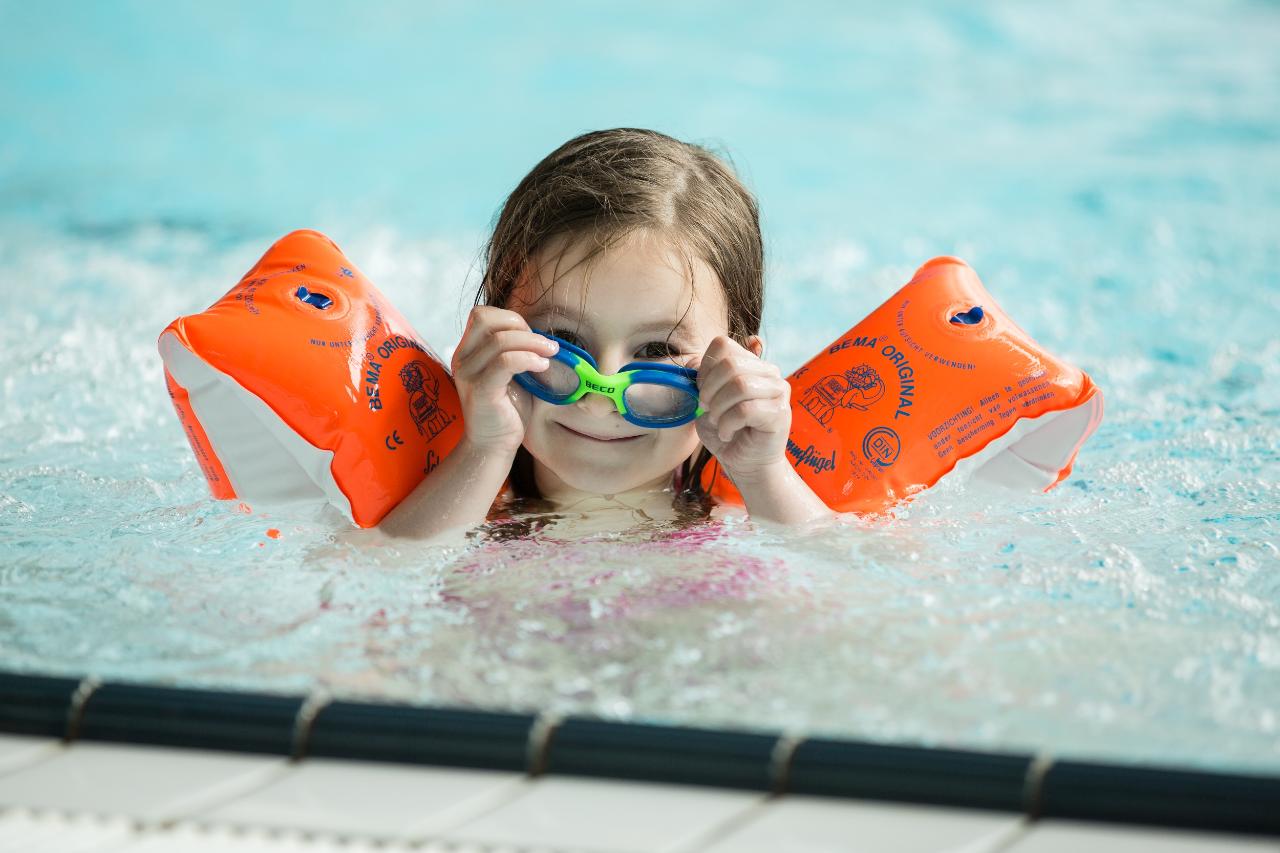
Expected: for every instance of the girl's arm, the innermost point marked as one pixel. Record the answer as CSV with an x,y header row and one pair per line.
x,y
496,345
457,493
746,424
776,492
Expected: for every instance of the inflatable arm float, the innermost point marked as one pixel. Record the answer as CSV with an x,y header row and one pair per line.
x,y
936,378
303,384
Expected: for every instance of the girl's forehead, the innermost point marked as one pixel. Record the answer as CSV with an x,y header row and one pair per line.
x,y
642,283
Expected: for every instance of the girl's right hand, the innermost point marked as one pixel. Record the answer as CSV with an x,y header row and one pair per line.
x,y
496,345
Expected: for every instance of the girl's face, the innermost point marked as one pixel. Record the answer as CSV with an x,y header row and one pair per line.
x,y
638,305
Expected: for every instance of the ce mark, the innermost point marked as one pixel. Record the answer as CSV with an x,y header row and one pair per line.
x,y
394,437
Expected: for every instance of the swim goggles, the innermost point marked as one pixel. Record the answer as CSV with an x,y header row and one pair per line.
x,y
648,394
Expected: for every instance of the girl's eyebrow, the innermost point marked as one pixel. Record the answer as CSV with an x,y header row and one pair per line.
x,y
556,310
672,327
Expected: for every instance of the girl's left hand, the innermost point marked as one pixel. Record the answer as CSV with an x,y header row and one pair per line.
x,y
748,407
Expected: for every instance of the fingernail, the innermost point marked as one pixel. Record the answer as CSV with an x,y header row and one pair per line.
x,y
542,363
554,346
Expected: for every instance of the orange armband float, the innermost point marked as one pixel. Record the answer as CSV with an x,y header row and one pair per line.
x,y
936,378
303,383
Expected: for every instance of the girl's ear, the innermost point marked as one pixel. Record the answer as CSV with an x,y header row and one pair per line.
x,y
755,343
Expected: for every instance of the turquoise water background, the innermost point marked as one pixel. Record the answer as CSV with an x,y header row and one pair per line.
x,y
1112,173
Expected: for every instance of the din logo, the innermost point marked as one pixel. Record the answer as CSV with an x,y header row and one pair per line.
x,y
881,446
423,387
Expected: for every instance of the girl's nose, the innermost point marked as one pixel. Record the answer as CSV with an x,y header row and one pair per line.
x,y
597,405
609,363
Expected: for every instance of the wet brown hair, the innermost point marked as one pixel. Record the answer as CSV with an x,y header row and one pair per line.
x,y
604,186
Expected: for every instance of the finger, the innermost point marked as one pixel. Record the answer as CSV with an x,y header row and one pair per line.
x,y
483,322
504,341
722,345
746,386
720,348
707,432
511,339
712,379
498,372
521,399
717,350
488,318
771,415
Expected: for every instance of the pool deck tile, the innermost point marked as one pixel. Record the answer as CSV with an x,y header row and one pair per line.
x,y
376,799
108,798
17,751
136,782
1065,836
617,817
800,824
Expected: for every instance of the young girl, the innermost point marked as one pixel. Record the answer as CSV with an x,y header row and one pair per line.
x,y
629,247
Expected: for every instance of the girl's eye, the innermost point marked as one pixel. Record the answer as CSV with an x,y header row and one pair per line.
x,y
658,349
566,335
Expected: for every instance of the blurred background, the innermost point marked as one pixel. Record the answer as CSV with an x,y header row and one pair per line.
x,y
902,131
1079,148
1112,171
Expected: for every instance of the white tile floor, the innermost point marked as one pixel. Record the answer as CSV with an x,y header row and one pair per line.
x,y
565,812
812,824
19,750
379,800
1065,836
135,782
104,798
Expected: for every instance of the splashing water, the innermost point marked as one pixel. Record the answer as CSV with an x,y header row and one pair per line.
x,y
1123,210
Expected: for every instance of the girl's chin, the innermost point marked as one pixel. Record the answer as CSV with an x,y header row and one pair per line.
x,y
582,476
599,483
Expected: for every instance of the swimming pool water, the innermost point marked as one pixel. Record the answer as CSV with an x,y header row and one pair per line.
x,y
1113,176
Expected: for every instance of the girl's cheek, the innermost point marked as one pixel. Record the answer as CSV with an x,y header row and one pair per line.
x,y
682,439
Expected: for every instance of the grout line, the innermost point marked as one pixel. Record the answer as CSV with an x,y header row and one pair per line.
x,y
1015,835
539,746
305,720
996,841
461,813
75,711
1033,786
784,749
719,831
43,750
208,798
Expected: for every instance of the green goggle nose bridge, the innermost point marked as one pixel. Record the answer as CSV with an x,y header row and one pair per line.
x,y
647,394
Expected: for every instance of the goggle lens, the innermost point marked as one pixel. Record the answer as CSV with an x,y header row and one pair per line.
x,y
559,380
658,403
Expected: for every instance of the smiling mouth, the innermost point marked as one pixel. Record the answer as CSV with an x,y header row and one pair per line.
x,y
590,437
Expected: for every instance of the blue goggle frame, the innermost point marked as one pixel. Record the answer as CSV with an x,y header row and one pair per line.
x,y
614,386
